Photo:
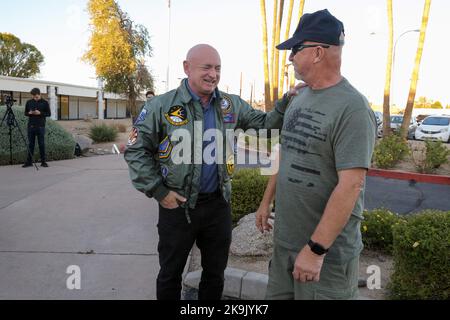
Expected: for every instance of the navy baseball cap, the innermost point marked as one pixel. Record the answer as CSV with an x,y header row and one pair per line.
x,y
320,26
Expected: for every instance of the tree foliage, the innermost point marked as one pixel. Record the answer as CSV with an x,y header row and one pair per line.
x,y
18,59
117,50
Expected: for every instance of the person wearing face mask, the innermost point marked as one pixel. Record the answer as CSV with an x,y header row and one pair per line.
x,y
193,196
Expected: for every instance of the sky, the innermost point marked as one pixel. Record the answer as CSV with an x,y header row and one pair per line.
x,y
60,30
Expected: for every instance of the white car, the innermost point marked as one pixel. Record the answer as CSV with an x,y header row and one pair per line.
x,y
434,127
396,124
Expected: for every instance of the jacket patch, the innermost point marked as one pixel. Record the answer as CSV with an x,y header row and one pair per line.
x,y
164,171
230,165
229,118
177,116
226,105
165,148
132,138
142,116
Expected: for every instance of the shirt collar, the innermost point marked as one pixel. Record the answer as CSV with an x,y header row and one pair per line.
x,y
196,97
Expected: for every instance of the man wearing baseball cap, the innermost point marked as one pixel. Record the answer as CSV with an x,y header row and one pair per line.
x,y
327,142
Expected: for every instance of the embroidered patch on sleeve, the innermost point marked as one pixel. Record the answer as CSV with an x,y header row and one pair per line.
x,y
132,138
141,116
165,148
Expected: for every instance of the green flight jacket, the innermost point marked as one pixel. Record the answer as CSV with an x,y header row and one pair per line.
x,y
151,143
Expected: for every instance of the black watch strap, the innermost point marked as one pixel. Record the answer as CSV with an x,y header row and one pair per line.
x,y
317,248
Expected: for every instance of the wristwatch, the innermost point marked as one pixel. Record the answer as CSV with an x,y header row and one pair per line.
x,y
317,248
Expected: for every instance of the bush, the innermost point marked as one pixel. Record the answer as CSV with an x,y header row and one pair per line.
x,y
436,154
390,150
376,229
262,145
102,133
59,144
422,257
248,187
120,127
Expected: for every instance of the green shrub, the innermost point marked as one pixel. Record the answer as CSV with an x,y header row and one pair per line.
x,y
376,229
422,257
248,187
59,144
260,143
102,133
390,150
120,127
436,154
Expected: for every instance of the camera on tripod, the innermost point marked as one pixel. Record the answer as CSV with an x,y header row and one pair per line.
x,y
9,101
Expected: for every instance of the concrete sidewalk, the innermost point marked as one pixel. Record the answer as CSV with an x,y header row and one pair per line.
x,y
81,212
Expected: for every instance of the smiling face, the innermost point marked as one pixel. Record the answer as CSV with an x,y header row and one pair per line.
x,y
202,66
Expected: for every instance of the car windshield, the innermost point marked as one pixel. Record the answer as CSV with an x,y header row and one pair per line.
x,y
396,119
436,121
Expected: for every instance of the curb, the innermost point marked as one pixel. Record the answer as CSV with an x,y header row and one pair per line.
x,y
239,284
403,175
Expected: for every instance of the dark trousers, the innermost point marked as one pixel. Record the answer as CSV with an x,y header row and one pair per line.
x,y
210,228
38,132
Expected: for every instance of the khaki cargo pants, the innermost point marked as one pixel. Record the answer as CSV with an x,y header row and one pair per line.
x,y
337,282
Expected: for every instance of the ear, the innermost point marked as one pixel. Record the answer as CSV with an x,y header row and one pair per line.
x,y
186,67
319,54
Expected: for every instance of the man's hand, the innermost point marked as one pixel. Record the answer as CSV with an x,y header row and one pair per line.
x,y
37,112
294,91
262,218
172,200
307,265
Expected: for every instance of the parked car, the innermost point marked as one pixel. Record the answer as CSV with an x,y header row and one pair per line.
x,y
379,117
396,124
434,127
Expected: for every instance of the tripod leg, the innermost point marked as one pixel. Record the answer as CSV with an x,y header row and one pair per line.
x,y
12,122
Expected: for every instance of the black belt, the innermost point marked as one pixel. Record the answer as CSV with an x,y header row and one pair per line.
x,y
205,197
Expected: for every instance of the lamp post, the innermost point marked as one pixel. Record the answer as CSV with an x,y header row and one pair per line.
x,y
393,57
168,50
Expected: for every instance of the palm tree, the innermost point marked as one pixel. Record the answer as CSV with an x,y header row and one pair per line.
x,y
272,55
283,59
267,93
387,86
415,74
276,62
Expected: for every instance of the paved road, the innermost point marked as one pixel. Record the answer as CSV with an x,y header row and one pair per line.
x,y
50,219
400,196
403,196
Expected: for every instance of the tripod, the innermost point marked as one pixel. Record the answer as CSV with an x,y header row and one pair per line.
x,y
11,122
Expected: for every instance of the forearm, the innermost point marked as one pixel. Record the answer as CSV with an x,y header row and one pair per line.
x,y
269,193
337,213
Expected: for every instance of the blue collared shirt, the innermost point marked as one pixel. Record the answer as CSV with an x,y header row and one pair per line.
x,y
209,179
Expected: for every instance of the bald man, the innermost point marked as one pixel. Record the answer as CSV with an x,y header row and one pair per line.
x,y
193,196
327,143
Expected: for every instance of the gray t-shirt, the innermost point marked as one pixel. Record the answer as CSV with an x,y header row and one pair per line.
x,y
324,131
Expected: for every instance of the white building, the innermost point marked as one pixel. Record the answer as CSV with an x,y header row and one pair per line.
x,y
67,101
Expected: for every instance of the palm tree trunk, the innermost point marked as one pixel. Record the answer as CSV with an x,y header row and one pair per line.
x,y
387,86
415,74
267,93
276,59
300,10
283,59
272,56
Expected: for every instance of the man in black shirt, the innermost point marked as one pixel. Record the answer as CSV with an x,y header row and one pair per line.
x,y
37,109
